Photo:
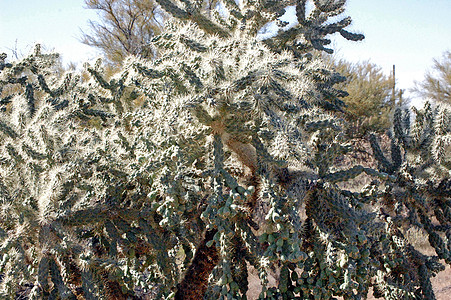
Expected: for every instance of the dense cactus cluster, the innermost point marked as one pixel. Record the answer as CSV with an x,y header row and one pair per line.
x,y
174,176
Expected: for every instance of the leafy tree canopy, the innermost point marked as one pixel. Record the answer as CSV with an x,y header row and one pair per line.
x,y
372,96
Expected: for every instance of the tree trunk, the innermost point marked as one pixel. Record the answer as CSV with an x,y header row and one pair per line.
x,y
195,283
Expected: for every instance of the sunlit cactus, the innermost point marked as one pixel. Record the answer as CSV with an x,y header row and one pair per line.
x,y
175,176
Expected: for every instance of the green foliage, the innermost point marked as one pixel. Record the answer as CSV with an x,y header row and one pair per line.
x,y
371,98
150,183
436,85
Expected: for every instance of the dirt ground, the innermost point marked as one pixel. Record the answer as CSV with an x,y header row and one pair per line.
x,y
442,284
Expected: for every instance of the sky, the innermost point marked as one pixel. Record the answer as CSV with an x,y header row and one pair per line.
x,y
405,33
55,24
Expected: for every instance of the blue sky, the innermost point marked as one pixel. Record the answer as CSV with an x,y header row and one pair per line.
x,y
407,33
56,24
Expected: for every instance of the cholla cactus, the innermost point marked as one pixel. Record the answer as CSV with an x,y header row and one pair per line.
x,y
149,184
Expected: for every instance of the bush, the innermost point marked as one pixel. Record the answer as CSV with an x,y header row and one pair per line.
x,y
148,184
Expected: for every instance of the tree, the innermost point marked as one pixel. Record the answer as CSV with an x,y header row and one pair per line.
x,y
437,84
150,183
126,29
372,96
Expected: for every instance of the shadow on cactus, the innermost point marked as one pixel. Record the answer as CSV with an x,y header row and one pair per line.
x,y
172,177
